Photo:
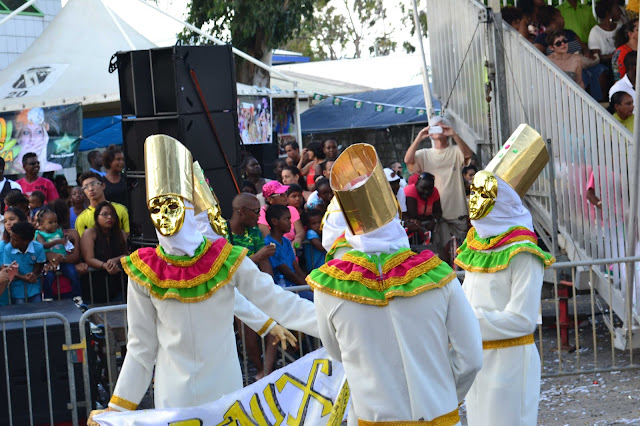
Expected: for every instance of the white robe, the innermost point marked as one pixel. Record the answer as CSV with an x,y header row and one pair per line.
x,y
397,358
506,303
192,345
253,317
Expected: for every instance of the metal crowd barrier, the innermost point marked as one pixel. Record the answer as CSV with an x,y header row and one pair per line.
x,y
587,336
93,282
29,371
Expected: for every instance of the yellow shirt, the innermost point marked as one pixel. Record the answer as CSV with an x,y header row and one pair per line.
x,y
85,219
628,123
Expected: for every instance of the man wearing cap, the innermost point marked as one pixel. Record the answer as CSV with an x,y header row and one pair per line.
x,y
503,281
444,161
397,320
181,297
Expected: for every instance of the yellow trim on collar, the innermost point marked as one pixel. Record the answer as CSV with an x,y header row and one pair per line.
x,y
151,275
184,263
523,249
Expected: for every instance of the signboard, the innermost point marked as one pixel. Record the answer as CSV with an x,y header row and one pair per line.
x,y
302,393
254,119
32,81
52,133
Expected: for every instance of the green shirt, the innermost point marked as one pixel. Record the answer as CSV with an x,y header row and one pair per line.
x,y
628,123
580,20
252,239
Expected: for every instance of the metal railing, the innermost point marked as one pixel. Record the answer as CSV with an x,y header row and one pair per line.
x,y
103,338
29,368
585,336
585,140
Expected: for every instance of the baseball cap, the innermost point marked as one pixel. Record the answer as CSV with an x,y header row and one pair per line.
x,y
391,175
273,187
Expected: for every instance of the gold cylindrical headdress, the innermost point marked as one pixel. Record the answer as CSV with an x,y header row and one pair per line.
x,y
204,199
521,159
362,189
168,168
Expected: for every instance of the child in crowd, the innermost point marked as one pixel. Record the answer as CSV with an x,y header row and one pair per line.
x,y
286,271
30,257
36,201
53,239
295,198
11,217
322,196
17,199
79,203
314,253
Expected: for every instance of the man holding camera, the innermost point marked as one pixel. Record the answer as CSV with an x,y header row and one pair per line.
x,y
445,162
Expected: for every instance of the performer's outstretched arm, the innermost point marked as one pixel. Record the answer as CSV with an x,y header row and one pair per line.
x,y
465,340
519,316
286,307
142,348
251,315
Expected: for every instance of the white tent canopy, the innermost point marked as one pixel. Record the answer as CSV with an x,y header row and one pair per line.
x,y
69,62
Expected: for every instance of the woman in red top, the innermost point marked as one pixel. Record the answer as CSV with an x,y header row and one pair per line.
x,y
314,155
626,41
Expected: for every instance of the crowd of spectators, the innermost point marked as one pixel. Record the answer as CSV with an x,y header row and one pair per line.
x,y
591,51
54,234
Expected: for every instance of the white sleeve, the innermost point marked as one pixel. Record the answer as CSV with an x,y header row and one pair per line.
x,y
325,312
465,339
594,40
249,314
290,310
402,200
519,316
142,348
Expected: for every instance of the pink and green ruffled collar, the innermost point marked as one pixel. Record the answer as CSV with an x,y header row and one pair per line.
x,y
376,279
494,254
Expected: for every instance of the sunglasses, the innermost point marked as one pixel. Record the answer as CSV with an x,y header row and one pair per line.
x,y
33,163
256,211
561,42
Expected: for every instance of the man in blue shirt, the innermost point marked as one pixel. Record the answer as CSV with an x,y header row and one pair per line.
x,y
95,162
30,257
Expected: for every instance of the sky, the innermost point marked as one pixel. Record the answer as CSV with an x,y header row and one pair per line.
x,y
162,30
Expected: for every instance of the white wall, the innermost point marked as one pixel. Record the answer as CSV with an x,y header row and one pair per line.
x,y
17,34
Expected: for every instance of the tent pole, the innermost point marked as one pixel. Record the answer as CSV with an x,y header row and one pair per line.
x,y
18,10
218,41
124,35
428,103
298,123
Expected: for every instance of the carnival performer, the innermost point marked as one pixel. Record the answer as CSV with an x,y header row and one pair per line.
x,y
503,281
211,224
181,297
396,319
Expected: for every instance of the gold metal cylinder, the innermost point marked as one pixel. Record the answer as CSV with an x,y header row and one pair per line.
x,y
362,189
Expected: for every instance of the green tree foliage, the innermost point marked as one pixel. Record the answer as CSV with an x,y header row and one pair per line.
x,y
253,26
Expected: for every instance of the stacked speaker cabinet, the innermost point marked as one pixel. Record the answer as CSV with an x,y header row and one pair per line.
x,y
158,95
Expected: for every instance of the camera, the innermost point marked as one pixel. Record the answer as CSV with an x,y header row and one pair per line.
x,y
435,130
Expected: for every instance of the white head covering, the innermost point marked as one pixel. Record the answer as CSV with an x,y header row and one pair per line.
x,y
186,240
204,226
334,224
508,211
386,239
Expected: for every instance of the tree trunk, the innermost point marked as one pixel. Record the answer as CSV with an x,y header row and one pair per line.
x,y
251,74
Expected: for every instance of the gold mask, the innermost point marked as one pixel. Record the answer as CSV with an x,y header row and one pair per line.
x,y
167,213
218,224
484,191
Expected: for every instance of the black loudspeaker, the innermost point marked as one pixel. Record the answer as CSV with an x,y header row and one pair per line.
x,y
159,96
158,81
30,374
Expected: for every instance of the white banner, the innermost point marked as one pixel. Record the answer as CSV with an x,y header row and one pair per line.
x,y
300,393
32,81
